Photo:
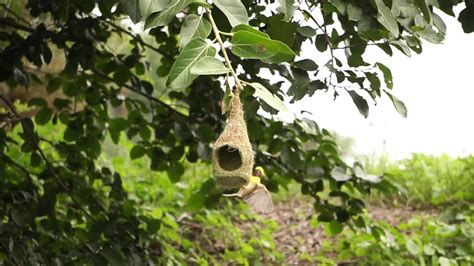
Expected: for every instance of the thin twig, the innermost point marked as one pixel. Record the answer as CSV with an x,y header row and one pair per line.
x,y
149,97
226,33
328,41
360,44
17,165
47,141
12,24
238,85
4,6
135,37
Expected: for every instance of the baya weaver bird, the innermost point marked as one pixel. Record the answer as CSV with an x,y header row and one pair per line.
x,y
255,194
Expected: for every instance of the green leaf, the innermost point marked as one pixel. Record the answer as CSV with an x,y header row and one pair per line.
x,y
340,5
247,44
387,74
265,95
300,85
386,18
165,16
43,116
243,27
402,47
289,156
321,42
443,261
35,159
326,216
356,60
439,23
399,105
306,64
175,171
412,247
180,75
114,256
281,30
54,85
132,9
430,35
386,48
374,81
145,132
428,250
41,102
116,126
306,31
226,99
148,7
194,27
370,29
209,65
286,7
137,151
202,3
423,6
339,173
234,10
333,228
354,12
360,102
196,201
19,216
317,85
466,17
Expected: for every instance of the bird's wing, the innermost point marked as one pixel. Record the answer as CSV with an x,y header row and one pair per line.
x,y
260,200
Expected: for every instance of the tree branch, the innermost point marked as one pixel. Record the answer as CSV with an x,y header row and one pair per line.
x,y
135,37
130,88
4,6
217,33
12,24
328,41
359,44
15,164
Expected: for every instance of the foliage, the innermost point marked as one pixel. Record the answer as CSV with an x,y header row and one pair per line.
x,y
427,179
62,204
420,241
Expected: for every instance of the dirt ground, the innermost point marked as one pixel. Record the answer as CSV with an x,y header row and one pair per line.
x,y
296,236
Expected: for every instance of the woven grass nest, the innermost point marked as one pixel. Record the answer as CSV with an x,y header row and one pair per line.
x,y
232,155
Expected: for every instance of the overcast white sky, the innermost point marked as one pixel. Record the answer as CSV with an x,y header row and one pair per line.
x,y
437,87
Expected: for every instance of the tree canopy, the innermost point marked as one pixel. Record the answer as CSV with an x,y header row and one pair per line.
x,y
160,73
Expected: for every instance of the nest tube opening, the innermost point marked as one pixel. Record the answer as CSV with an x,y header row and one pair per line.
x,y
232,153
230,158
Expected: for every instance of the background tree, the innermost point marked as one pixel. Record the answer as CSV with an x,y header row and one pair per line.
x,y
166,90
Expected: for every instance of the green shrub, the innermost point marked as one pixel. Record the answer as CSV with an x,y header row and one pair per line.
x,y
427,179
420,241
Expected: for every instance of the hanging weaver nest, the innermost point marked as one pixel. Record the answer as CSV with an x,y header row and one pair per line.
x,y
232,155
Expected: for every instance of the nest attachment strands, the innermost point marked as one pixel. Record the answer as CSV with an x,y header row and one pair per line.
x,y
232,155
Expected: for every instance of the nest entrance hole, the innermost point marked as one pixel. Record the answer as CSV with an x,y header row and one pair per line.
x,y
230,158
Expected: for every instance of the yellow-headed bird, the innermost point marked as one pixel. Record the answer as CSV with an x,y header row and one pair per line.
x,y
255,194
